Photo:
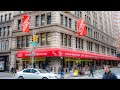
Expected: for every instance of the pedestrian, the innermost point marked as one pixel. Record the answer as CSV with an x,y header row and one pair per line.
x,y
108,74
12,69
91,71
62,72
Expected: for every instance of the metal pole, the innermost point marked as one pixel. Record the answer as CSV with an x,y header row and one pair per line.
x,y
33,52
33,57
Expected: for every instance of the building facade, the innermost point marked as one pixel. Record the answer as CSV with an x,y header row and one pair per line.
x,y
57,29
6,22
116,23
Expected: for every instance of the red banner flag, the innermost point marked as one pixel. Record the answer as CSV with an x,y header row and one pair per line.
x,y
81,25
25,23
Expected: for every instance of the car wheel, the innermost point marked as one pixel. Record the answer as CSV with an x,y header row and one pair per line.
x,y
20,77
44,78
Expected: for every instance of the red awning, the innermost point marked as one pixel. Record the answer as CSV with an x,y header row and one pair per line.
x,y
61,52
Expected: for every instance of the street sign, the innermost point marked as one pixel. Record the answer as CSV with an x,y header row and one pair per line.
x,y
34,43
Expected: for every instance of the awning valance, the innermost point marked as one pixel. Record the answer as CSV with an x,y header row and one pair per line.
x,y
62,52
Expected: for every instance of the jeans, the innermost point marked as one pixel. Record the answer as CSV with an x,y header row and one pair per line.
x,y
62,74
90,74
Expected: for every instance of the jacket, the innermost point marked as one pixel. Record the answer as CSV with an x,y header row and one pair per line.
x,y
110,75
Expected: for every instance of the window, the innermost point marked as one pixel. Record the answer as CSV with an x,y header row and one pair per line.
x,y
8,31
61,38
23,41
75,25
96,48
27,71
65,39
37,20
89,46
18,42
1,18
69,23
91,33
80,14
0,32
2,45
5,17
61,19
76,42
9,16
66,21
21,12
48,38
108,51
85,17
42,19
69,40
43,39
103,49
81,43
19,24
27,41
33,71
75,12
94,35
4,32
7,45
49,18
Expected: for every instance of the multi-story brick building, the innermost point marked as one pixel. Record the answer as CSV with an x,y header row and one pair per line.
x,y
6,22
57,29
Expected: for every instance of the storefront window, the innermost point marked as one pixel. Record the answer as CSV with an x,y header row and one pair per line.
x,y
43,39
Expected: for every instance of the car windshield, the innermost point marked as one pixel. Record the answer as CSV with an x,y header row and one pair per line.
x,y
42,71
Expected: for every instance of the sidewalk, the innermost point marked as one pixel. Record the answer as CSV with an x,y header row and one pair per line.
x,y
87,73
6,74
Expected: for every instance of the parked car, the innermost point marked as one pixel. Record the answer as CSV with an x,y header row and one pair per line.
x,y
33,73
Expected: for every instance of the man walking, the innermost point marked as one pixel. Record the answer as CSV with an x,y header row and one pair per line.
x,y
108,74
91,71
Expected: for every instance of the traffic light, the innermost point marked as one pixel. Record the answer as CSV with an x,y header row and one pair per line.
x,y
35,38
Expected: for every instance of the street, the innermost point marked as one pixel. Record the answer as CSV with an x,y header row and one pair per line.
x,y
97,75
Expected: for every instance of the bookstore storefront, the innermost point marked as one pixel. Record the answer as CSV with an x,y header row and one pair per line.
x,y
55,57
